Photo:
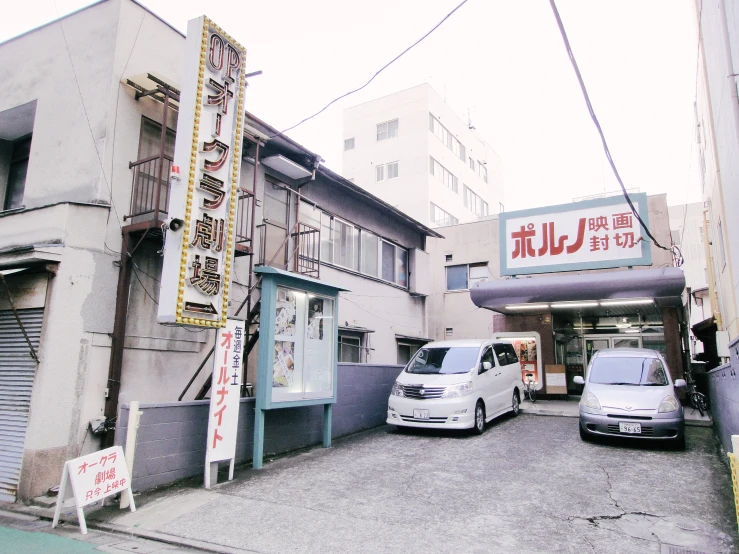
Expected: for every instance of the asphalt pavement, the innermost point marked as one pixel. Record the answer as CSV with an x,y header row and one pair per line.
x,y
528,484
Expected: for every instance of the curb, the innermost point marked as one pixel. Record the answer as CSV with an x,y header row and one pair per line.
x,y
131,532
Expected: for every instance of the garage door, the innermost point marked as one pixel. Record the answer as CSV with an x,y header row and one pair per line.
x,y
17,370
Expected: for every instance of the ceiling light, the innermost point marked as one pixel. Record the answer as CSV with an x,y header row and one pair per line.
x,y
575,305
527,307
626,302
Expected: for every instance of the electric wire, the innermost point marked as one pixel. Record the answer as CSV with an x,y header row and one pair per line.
x,y
607,151
383,68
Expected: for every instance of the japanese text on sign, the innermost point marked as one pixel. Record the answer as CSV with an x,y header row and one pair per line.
x,y
225,395
98,475
606,234
197,266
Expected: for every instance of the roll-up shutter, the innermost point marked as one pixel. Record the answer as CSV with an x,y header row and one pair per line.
x,y
17,370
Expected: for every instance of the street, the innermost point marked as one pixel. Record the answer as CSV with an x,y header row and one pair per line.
x,y
528,484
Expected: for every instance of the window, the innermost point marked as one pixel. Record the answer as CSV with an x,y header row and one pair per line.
x,y
387,130
19,155
441,217
401,267
463,277
721,244
482,170
388,261
349,144
449,332
327,252
392,171
474,203
442,174
370,253
350,348
472,164
505,353
449,257
406,350
346,245
443,134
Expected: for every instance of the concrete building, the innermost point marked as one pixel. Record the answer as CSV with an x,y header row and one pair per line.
x,y
411,149
573,312
88,119
717,137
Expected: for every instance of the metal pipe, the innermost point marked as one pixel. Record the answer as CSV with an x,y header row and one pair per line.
x,y
118,338
162,145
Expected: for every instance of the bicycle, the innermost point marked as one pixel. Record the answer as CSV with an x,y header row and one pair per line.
x,y
697,399
530,387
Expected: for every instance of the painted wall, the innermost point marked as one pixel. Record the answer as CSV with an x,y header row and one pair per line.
x,y
723,395
171,437
415,187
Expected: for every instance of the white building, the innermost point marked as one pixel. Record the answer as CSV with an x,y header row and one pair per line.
x,y
414,152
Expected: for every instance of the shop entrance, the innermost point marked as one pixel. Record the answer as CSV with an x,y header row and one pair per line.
x,y
595,343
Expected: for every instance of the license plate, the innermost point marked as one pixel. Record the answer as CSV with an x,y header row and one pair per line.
x,y
631,428
420,414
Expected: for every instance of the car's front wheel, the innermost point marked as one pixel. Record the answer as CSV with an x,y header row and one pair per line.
x,y
479,424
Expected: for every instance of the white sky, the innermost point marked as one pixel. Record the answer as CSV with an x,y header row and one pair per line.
x,y
502,60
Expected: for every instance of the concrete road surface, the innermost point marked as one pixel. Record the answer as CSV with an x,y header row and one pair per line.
x,y
529,484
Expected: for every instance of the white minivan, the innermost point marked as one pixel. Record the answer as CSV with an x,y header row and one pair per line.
x,y
457,384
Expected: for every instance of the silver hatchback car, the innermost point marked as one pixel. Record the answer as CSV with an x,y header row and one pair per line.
x,y
629,393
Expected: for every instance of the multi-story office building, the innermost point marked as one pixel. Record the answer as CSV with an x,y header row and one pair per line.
x,y
414,152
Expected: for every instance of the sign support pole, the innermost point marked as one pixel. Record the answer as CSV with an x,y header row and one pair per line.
x,y
258,454
327,415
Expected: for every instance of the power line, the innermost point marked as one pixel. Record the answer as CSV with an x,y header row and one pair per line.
x,y
136,273
600,131
383,68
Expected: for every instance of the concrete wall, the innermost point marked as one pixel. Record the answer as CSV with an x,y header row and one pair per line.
x,y
171,437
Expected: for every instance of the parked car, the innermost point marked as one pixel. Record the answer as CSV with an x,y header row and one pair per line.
x,y
629,393
458,384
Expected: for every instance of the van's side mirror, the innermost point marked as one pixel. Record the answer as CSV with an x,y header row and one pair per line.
x,y
680,383
578,380
485,367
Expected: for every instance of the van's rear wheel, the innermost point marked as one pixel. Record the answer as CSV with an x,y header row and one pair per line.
x,y
479,425
515,403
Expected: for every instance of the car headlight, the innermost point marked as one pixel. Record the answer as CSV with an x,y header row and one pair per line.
x,y
590,401
668,404
455,391
397,389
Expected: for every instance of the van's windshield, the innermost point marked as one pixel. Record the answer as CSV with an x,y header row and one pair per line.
x,y
444,360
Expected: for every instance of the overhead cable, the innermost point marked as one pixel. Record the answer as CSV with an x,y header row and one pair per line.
x,y
600,131
383,68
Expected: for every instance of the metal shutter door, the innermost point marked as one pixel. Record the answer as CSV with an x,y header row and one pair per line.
x,y
17,369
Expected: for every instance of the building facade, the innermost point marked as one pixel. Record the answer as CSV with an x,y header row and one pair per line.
x,y
572,312
86,145
411,149
717,137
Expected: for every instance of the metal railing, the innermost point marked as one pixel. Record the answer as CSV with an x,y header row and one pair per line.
x,y
244,215
150,190
307,242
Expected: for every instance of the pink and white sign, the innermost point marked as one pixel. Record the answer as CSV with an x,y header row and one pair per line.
x,y
592,234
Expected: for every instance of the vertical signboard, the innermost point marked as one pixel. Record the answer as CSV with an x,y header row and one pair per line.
x,y
224,396
593,234
198,253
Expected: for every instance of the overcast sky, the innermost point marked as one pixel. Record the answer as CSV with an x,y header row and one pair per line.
x,y
504,61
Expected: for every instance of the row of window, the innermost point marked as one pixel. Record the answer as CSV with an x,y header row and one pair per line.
x,y
353,348
386,171
474,203
443,174
442,217
385,130
443,134
346,245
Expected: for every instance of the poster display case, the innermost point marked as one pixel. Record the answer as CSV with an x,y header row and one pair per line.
x,y
298,348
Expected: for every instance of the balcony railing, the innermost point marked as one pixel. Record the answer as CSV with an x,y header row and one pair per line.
x,y
301,256
150,191
307,242
243,228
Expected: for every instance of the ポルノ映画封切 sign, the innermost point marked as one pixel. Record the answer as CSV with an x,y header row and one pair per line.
x,y
198,254
592,234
